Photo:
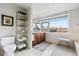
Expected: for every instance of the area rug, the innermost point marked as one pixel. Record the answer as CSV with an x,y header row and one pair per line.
x,y
42,46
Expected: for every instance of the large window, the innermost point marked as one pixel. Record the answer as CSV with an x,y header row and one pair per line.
x,y
45,26
36,27
59,24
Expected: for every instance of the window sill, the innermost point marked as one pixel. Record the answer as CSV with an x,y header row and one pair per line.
x,y
58,32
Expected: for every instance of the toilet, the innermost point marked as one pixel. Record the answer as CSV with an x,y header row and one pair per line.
x,y
8,45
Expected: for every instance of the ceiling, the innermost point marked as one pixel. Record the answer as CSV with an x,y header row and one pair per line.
x,y
44,9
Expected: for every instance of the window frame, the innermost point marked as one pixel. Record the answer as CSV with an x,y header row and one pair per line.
x,y
41,22
36,25
42,26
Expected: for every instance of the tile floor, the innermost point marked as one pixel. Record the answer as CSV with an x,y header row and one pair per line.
x,y
52,50
28,52
63,51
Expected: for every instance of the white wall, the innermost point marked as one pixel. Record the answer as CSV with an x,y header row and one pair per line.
x,y
53,37
74,24
29,28
10,10
73,33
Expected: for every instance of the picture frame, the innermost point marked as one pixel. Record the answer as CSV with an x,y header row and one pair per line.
x,y
7,20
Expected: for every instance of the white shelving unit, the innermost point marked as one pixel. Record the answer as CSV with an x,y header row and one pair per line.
x,y
21,30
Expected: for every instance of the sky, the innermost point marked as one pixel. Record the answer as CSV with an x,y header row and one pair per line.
x,y
61,22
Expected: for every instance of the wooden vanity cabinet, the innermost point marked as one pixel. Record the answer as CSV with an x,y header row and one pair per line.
x,y
38,37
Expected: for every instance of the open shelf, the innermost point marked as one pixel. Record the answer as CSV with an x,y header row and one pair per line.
x,y
21,29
